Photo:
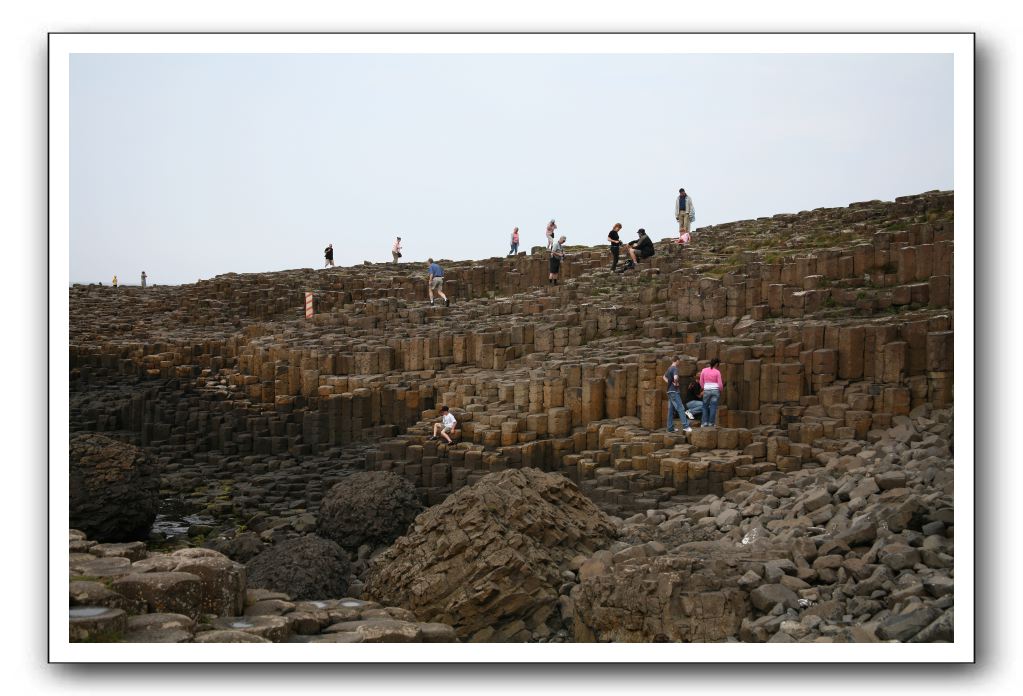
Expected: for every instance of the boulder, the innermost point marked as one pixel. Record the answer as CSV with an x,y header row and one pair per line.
x,y
368,507
179,593
114,488
488,559
308,567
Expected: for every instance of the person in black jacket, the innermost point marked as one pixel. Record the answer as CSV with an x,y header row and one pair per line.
x,y
641,248
693,400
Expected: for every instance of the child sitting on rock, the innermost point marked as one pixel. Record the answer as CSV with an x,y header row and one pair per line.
x,y
447,425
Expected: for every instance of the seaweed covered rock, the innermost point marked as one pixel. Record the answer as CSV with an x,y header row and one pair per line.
x,y
308,567
489,559
114,488
368,507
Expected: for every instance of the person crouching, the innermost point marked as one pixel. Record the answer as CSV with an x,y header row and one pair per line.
x,y
446,426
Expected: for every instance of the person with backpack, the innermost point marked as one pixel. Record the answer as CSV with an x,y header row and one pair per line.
x,y
685,213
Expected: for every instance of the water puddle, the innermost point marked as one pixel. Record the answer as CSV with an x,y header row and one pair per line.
x,y
86,612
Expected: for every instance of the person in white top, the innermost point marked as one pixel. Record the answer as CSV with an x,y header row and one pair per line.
x,y
446,426
396,250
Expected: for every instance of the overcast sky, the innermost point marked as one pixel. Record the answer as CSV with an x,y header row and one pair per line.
x,y
192,165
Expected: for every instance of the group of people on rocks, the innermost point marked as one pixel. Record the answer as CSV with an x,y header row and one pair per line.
x,y
701,398
113,281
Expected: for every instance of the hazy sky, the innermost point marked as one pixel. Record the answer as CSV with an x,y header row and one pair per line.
x,y
192,165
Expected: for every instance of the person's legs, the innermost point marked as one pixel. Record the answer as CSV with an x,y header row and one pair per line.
x,y
694,409
430,289
675,407
614,257
710,407
445,432
436,428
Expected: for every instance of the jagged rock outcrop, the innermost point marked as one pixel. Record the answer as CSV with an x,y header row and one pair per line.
x,y
368,507
489,559
114,488
309,567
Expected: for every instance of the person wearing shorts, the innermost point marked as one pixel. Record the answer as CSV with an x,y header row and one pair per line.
x,y
640,248
436,282
446,426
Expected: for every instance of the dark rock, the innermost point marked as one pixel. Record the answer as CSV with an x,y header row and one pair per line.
x,y
308,567
374,507
114,488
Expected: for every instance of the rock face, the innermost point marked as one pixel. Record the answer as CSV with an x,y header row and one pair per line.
x,y
114,488
308,567
691,595
368,507
489,559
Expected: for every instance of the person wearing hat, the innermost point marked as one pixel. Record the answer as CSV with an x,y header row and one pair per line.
x,y
685,213
550,234
396,250
640,248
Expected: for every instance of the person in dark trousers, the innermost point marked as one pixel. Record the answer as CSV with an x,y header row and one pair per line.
x,y
640,248
675,406
328,255
712,384
693,400
514,242
557,255
616,244
437,282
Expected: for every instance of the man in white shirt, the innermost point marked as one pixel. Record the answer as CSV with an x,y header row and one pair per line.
x,y
446,426
396,250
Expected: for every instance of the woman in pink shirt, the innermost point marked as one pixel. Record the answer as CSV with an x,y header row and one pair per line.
x,y
712,383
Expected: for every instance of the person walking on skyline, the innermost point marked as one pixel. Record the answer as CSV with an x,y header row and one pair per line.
x,y
514,242
143,279
675,406
557,254
396,250
328,255
616,244
114,281
550,234
436,282
685,213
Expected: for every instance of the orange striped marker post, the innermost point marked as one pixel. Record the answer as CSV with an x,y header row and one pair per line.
x,y
308,305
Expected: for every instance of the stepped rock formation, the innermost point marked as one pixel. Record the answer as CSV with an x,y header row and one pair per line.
x,y
834,328
488,560
114,488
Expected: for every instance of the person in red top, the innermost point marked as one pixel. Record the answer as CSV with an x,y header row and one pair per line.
x,y
712,384
514,242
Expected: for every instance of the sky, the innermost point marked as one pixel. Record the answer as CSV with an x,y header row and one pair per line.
x,y
188,166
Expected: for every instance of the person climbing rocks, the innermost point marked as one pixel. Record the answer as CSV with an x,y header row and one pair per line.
x,y
396,250
693,400
616,244
446,426
712,384
436,282
685,213
550,234
557,255
328,255
640,248
514,242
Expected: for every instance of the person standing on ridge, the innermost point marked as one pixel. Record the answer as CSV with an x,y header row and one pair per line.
x,y
396,250
685,213
550,234
514,242
557,254
114,281
143,279
675,406
328,255
616,244
712,383
436,282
